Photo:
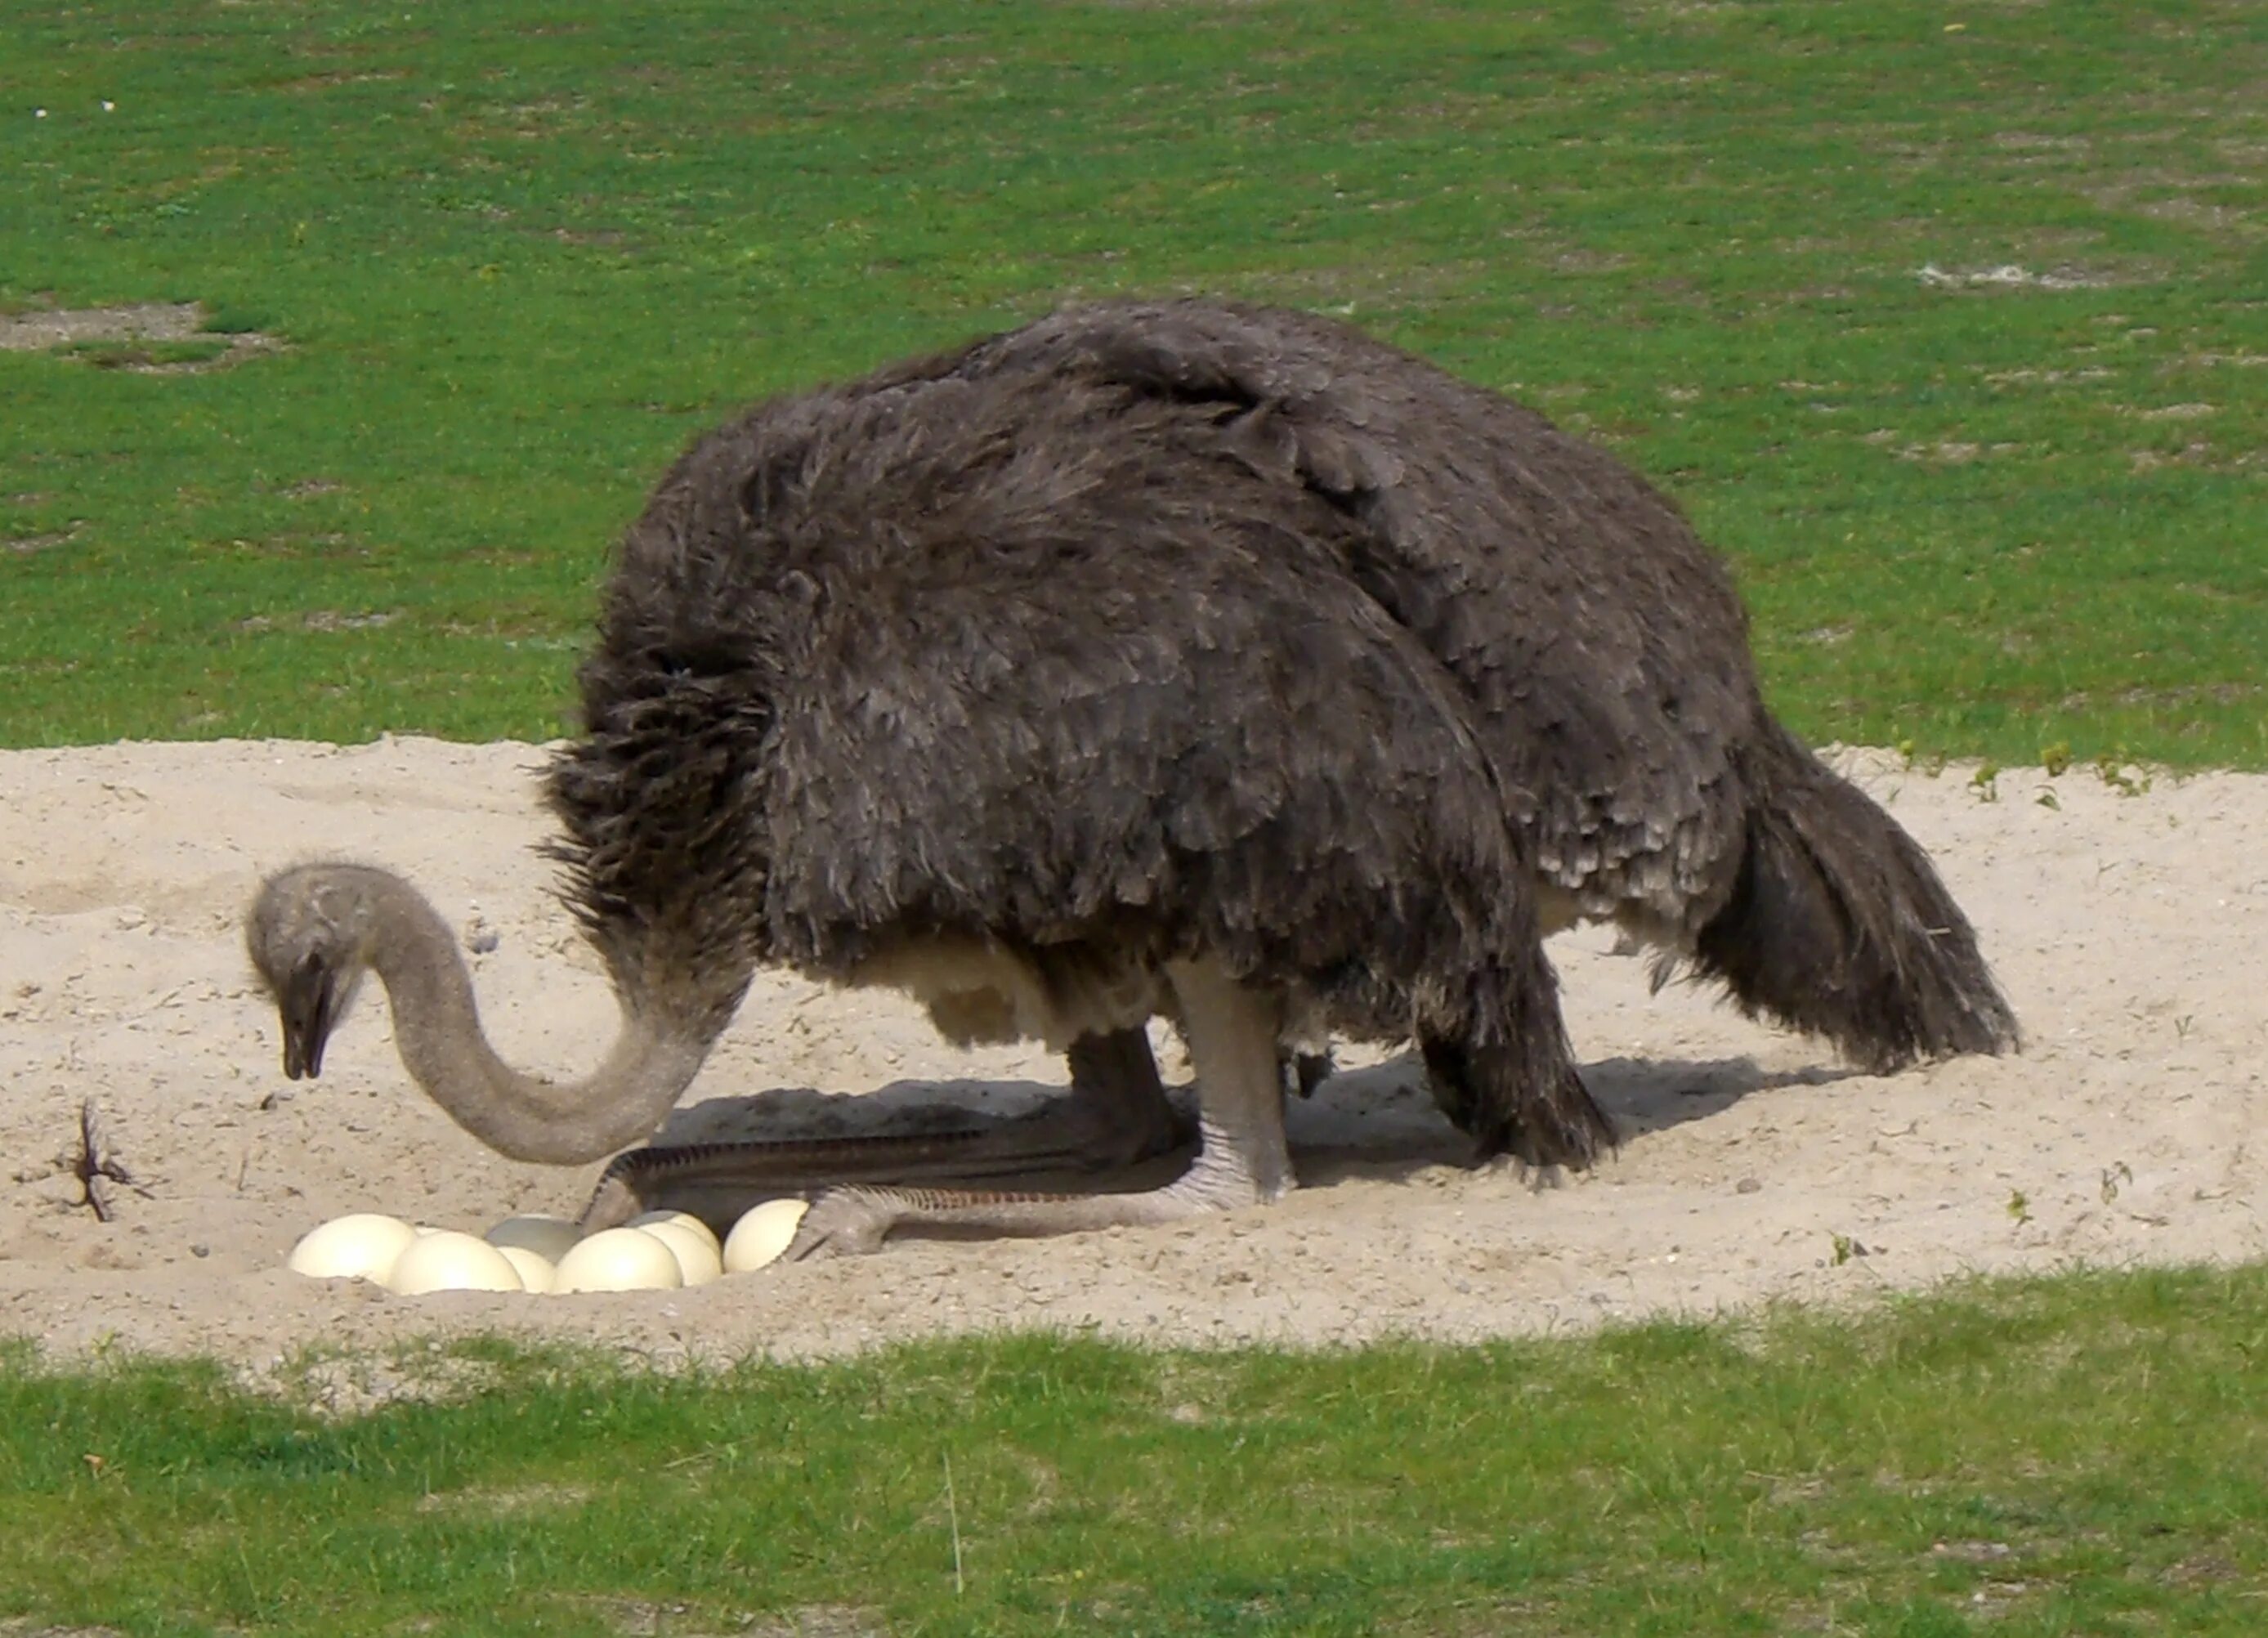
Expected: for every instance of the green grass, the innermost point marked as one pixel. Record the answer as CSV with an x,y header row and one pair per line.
x,y
519,259
2088,1455
148,354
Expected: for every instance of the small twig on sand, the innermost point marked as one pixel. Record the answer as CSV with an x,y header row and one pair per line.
x,y
96,1171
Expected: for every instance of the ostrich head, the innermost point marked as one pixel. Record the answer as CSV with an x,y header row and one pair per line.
x,y
310,936
316,931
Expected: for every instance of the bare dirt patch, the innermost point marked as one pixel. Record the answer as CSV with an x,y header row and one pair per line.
x,y
2130,932
46,540
2012,276
126,338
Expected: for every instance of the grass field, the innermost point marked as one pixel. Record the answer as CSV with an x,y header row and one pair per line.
x,y
2082,1456
1949,324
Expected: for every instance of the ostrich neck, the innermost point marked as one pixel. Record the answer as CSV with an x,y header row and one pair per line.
x,y
436,1028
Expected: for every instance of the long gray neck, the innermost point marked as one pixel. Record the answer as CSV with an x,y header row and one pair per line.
x,y
436,1028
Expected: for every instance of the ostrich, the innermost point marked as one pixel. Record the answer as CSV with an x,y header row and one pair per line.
x,y
1605,651
1597,647
1005,691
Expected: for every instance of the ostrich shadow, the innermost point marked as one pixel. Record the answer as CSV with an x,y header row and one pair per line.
x,y
1381,1123
1375,1123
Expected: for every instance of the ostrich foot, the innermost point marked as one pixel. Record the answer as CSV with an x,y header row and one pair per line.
x,y
1117,1115
853,1220
1241,1159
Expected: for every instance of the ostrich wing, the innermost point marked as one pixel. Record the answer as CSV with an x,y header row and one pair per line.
x,y
1082,684
1600,639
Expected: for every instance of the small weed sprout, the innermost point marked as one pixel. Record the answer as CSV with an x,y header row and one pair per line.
x,y
2113,1174
1986,782
2056,759
2020,1209
2111,768
1930,767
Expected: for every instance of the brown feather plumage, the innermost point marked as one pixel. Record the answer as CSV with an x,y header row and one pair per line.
x,y
1152,626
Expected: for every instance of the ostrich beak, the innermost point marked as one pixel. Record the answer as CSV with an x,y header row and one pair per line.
x,y
309,1006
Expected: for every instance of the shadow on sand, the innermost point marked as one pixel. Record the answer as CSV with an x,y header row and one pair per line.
x,y
1378,1123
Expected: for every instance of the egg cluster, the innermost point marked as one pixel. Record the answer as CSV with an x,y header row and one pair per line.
x,y
657,1251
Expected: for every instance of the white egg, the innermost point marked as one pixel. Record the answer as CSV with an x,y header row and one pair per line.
x,y
445,1260
363,1245
684,1220
535,1272
548,1238
695,1248
762,1233
619,1259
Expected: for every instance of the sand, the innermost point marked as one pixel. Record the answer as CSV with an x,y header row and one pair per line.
x,y
2130,932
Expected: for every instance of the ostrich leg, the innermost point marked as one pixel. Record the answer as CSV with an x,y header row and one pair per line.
x,y
1116,1079
1117,1115
1240,1161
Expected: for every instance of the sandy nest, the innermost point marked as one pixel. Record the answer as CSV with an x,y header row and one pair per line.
x,y
2130,931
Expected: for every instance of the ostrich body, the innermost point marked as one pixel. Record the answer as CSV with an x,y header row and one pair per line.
x,y
1605,651
1007,693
